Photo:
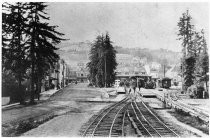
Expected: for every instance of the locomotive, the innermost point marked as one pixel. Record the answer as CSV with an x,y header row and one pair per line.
x,y
146,83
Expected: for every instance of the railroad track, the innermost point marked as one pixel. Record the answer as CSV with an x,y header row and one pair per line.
x,y
110,122
148,123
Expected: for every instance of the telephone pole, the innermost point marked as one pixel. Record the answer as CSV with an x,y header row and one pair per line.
x,y
164,70
105,70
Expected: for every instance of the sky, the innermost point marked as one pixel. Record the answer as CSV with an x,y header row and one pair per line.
x,y
142,25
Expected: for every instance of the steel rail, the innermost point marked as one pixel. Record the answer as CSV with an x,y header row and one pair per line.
x,y
110,132
123,124
106,110
95,120
146,120
140,121
106,114
159,119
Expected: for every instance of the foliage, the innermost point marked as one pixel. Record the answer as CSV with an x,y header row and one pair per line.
x,y
203,59
185,35
102,62
42,42
94,59
28,41
14,41
110,57
186,32
195,55
189,71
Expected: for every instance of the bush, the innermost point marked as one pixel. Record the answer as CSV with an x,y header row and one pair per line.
x,y
25,126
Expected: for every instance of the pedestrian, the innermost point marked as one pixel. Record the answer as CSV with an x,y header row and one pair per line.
x,y
58,86
134,90
140,83
127,87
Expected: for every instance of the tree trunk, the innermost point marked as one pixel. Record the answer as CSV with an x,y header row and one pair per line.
x,y
32,60
206,86
32,83
20,91
32,68
39,85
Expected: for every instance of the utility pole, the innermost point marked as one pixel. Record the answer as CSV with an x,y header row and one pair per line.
x,y
182,74
63,73
57,73
164,70
105,70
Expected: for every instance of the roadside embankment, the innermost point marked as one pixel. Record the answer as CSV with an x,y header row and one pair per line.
x,y
195,107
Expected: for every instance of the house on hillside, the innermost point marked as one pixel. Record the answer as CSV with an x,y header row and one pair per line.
x,y
79,72
174,73
155,66
143,61
82,75
57,76
72,74
147,69
154,73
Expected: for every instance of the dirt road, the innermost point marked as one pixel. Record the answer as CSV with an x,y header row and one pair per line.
x,y
68,114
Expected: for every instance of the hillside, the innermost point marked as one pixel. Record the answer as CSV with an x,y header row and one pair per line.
x,y
73,53
158,55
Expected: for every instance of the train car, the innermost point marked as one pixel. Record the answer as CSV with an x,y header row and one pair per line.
x,y
146,83
116,83
143,81
150,85
164,83
121,88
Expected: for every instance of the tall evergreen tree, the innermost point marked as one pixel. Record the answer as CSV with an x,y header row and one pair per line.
x,y
197,44
42,42
14,41
102,62
204,57
110,59
186,32
95,54
199,47
189,72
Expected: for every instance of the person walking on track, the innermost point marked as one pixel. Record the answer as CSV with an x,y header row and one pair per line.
x,y
134,90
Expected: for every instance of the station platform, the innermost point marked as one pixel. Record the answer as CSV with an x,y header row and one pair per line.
x,y
196,107
147,93
114,99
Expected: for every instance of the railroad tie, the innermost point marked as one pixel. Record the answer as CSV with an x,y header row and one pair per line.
x,y
139,134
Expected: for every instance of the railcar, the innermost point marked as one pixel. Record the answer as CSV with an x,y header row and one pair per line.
x,y
164,83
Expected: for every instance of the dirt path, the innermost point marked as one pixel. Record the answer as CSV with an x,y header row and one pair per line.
x,y
61,115
68,124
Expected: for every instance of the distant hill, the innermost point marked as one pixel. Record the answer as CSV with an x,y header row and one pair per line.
x,y
73,53
158,55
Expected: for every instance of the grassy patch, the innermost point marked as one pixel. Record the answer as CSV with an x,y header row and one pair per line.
x,y
190,120
18,128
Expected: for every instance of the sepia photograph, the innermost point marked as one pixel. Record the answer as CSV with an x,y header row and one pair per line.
x,y
105,69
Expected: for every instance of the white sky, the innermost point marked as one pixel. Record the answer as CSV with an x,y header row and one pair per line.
x,y
143,25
